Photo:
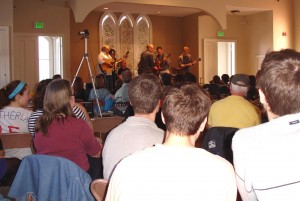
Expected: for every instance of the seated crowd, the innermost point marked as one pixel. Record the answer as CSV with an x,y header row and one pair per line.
x,y
154,153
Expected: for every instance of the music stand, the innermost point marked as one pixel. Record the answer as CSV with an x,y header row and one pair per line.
x,y
85,56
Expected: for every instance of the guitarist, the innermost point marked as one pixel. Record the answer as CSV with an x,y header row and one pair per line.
x,y
146,63
162,61
105,64
185,61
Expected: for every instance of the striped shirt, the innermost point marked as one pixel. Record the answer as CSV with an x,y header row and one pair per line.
x,y
36,114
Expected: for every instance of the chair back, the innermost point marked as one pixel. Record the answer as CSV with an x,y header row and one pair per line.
x,y
104,125
16,140
99,189
217,140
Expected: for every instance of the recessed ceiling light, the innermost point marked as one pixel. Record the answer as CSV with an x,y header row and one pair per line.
x,y
105,8
158,12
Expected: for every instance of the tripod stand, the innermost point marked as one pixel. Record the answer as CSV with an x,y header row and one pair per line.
x,y
86,57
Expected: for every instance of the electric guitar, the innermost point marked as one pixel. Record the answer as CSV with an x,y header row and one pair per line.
x,y
158,67
109,65
191,64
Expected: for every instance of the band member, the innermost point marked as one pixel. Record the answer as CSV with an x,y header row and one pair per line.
x,y
146,63
106,63
162,61
185,60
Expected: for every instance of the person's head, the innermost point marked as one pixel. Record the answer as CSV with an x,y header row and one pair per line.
x,y
190,78
126,76
58,101
112,53
159,50
78,85
279,82
150,47
186,50
252,80
38,99
225,78
239,84
185,109
224,91
16,92
216,79
105,49
56,76
99,82
166,79
144,93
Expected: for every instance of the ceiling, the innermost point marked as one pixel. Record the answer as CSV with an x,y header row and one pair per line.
x,y
171,11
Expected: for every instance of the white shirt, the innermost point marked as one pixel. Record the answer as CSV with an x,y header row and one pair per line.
x,y
163,173
266,160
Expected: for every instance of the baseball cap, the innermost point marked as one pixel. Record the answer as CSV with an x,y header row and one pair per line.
x,y
240,79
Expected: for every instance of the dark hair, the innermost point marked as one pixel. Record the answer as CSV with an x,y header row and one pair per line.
x,y
78,85
39,94
252,80
126,76
279,80
57,76
166,79
190,78
99,82
8,90
185,108
144,93
225,78
158,47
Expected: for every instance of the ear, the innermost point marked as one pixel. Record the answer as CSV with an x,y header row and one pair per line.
x,y
163,118
203,124
263,100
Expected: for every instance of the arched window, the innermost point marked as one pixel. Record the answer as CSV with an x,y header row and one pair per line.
x,y
126,34
126,39
108,30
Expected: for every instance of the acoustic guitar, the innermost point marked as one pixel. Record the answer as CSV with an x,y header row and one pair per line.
x,y
109,65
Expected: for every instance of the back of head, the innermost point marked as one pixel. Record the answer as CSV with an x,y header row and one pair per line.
x,y
39,94
9,92
166,79
99,82
185,108
56,103
239,84
78,84
279,80
225,78
190,78
57,76
144,93
126,76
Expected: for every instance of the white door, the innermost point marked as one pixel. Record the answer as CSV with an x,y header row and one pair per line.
x,y
26,59
219,58
4,56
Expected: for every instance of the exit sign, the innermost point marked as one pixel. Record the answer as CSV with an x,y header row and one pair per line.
x,y
220,33
39,25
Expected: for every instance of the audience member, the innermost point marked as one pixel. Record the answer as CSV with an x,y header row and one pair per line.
x,y
138,131
59,133
79,90
122,93
14,114
38,100
234,111
165,79
123,67
176,170
101,93
56,76
266,157
190,78
225,79
13,119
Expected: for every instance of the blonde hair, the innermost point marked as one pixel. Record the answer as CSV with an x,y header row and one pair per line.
x,y
56,104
